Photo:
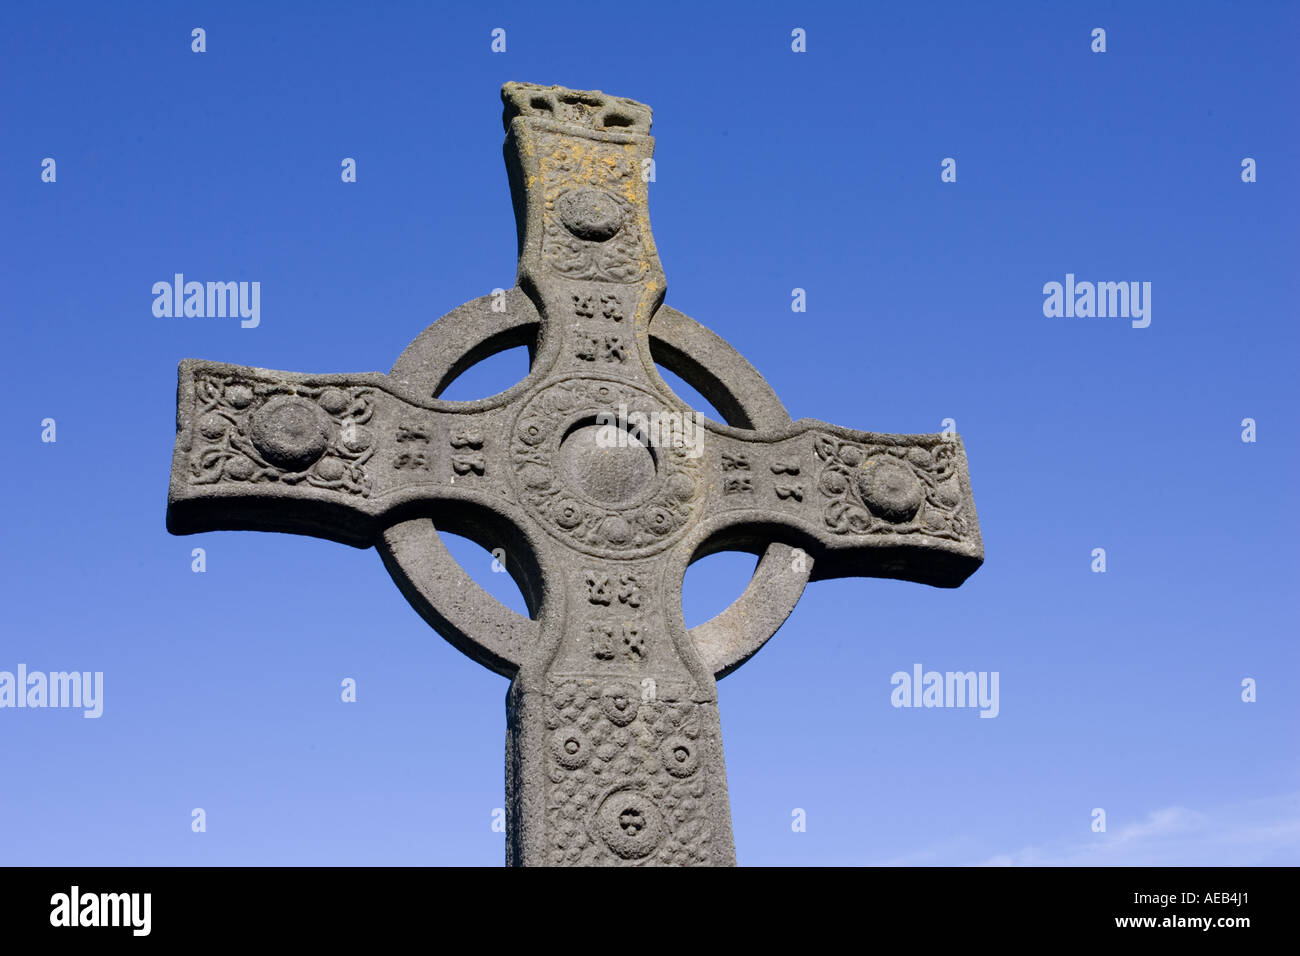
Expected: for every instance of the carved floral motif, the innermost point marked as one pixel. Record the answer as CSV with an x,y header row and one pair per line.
x,y
892,488
249,430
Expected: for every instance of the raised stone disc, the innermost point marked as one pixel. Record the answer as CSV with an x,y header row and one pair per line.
x,y
590,214
612,472
890,489
630,824
290,432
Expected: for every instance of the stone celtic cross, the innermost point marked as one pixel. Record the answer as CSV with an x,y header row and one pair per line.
x,y
614,750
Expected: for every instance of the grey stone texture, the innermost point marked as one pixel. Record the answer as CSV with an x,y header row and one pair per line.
x,y
614,751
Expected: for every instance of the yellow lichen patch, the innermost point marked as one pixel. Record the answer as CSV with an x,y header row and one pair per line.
x,y
567,162
630,192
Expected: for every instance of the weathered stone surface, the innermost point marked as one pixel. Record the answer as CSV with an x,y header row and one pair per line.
x,y
614,751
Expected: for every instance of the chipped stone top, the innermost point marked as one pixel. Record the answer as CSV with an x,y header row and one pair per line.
x,y
586,109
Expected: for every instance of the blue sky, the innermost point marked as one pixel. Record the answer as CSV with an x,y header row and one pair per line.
x,y
774,170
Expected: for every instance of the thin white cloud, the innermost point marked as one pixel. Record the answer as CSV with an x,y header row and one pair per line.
x,y
1250,833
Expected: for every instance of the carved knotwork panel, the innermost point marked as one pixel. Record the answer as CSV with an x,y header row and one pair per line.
x,y
901,489
251,430
589,221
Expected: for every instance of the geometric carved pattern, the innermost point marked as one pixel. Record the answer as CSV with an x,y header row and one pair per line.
x,y
622,783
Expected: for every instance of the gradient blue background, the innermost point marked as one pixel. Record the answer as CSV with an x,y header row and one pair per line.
x,y
774,170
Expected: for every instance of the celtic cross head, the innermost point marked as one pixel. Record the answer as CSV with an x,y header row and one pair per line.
x,y
600,484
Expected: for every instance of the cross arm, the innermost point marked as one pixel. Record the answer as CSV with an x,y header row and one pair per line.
x,y
863,504
325,455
